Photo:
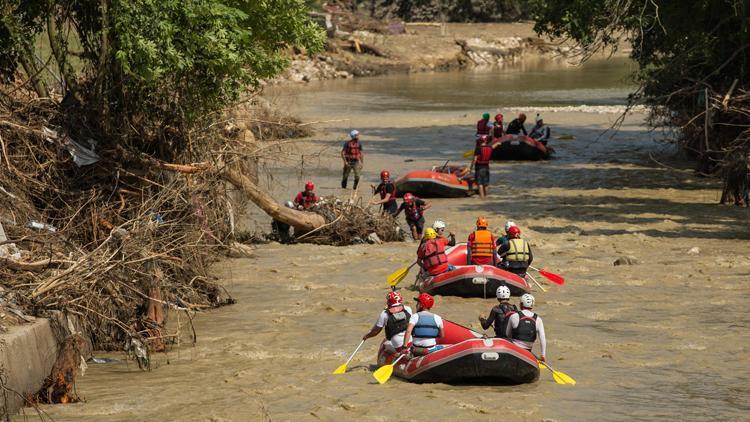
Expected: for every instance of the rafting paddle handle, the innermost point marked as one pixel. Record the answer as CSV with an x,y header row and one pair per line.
x,y
536,282
555,278
383,374
342,369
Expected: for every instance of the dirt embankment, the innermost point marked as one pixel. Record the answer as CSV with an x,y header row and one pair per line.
x,y
423,47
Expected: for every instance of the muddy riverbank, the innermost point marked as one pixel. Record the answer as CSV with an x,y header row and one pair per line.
x,y
644,341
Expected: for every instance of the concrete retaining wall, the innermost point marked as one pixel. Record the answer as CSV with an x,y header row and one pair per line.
x,y
27,353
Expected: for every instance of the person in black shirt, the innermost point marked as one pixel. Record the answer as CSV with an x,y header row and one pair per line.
x,y
387,191
516,126
414,209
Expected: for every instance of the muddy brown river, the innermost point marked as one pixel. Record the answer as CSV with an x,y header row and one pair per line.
x,y
664,338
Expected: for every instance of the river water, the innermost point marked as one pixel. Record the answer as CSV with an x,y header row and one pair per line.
x,y
666,337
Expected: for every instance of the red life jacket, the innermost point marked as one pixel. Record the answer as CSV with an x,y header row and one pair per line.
x,y
485,155
483,127
307,201
433,257
413,211
353,151
497,131
382,191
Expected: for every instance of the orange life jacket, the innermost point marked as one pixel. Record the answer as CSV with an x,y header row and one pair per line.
x,y
483,244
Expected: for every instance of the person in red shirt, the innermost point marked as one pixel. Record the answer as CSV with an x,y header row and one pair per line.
x,y
480,248
481,164
307,198
431,254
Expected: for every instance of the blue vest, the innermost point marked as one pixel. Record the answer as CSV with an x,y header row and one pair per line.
x,y
426,326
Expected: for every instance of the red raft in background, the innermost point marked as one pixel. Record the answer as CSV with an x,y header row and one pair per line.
x,y
520,147
467,357
471,280
439,182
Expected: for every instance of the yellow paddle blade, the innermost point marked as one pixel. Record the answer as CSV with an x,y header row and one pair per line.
x,y
468,154
397,276
383,373
559,377
566,137
340,370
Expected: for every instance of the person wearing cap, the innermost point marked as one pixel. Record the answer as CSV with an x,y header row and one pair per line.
x,y
424,328
306,199
497,127
515,127
414,209
500,314
483,125
540,131
394,318
439,227
431,254
525,326
387,191
480,247
353,159
516,254
503,240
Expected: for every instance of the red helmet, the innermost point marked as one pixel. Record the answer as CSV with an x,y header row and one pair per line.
x,y
394,298
498,117
484,138
385,175
309,185
514,232
408,198
426,300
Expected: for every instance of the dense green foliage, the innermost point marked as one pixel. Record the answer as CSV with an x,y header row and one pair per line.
x,y
169,59
682,46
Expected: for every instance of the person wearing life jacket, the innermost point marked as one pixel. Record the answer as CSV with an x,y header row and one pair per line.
x,y
525,327
483,127
439,227
353,158
307,198
497,127
480,248
516,255
394,318
414,209
387,191
500,314
503,240
424,328
481,164
431,254
515,127
540,131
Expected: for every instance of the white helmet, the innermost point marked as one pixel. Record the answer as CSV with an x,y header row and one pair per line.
x,y
353,134
508,225
503,292
290,204
538,118
527,301
438,224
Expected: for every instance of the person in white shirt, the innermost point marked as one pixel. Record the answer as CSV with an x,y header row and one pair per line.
x,y
394,318
424,328
525,327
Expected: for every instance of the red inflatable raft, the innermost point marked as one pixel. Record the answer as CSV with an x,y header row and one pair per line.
x,y
467,357
520,147
440,182
471,280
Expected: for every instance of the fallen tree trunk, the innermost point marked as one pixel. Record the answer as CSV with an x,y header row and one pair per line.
x,y
300,220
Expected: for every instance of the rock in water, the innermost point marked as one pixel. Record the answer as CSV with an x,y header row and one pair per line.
x,y
626,260
694,250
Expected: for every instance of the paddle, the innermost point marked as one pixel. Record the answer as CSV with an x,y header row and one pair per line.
x,y
566,137
537,283
469,153
342,369
399,275
383,373
560,377
555,278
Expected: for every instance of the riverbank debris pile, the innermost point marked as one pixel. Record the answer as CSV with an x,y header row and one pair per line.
x,y
349,223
